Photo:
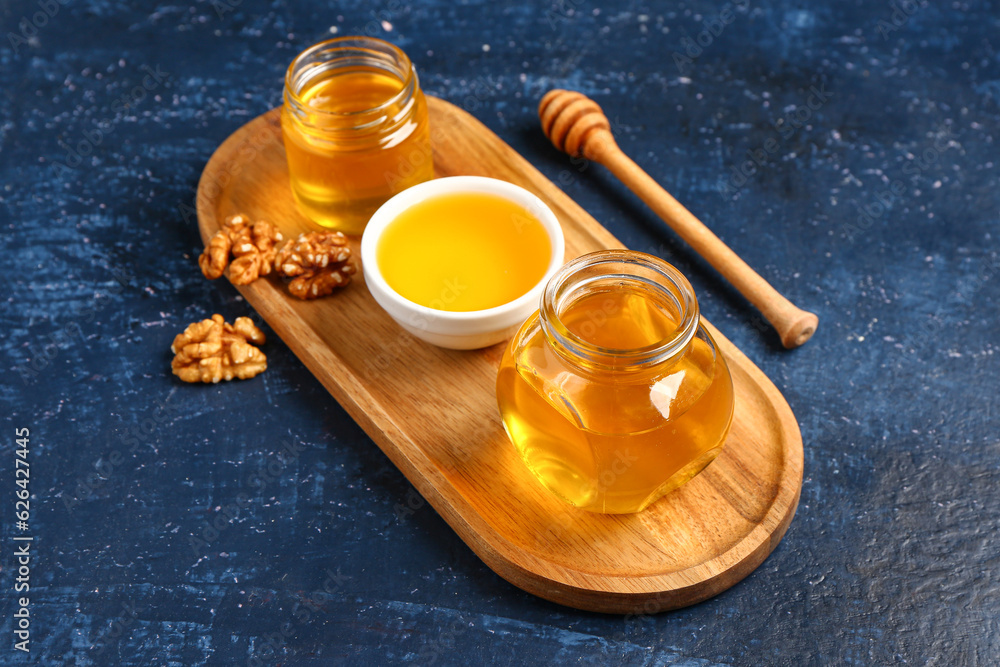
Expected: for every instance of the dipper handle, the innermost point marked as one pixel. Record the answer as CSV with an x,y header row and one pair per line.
x,y
576,125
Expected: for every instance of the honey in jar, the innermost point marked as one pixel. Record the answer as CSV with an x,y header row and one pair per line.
x,y
355,129
613,393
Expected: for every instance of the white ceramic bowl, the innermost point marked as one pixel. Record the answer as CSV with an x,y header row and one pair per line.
x,y
466,330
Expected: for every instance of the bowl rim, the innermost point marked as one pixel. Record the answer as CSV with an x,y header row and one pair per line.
x,y
421,192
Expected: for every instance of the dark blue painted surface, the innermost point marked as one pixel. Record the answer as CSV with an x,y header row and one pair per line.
x,y
893,555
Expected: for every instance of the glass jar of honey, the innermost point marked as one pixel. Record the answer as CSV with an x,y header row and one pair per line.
x,y
355,128
613,393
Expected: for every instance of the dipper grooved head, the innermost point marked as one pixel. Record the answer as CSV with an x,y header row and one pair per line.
x,y
573,122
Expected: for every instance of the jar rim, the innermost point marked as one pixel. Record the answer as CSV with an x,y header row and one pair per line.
x,y
356,42
562,285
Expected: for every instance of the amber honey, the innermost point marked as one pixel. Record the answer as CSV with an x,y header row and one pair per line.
x,y
355,129
613,394
464,251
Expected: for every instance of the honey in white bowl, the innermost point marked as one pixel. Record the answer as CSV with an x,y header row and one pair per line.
x,y
461,261
464,251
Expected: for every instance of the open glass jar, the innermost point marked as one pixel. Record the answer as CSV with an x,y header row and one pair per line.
x,y
355,127
613,393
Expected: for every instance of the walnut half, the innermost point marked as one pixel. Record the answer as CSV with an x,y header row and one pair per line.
x,y
252,247
212,350
318,263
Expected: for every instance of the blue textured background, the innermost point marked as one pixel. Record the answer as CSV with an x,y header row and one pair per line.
x,y
893,556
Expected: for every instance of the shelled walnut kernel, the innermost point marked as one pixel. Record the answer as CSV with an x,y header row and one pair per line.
x,y
317,262
213,350
252,246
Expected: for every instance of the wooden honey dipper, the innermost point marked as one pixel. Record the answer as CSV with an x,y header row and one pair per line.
x,y
577,125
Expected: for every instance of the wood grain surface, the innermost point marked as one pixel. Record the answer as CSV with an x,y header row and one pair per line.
x,y
433,411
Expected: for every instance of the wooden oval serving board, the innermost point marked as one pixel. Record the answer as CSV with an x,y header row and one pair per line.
x,y
434,413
